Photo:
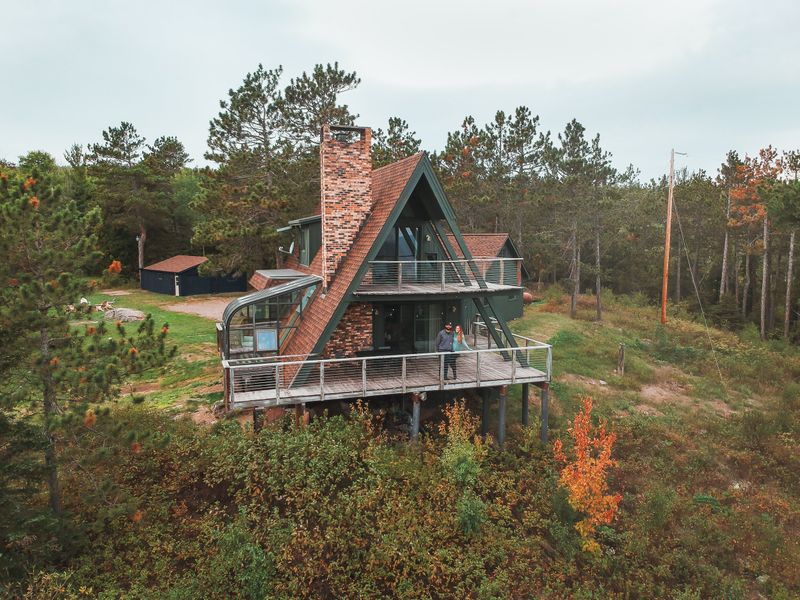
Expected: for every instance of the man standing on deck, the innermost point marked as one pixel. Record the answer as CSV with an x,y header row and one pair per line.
x,y
444,343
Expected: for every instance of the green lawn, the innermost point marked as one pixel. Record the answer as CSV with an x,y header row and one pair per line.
x,y
193,377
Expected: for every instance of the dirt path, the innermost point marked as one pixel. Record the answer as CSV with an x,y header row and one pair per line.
x,y
210,308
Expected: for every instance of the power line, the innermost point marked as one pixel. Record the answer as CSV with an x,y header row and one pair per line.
x,y
699,301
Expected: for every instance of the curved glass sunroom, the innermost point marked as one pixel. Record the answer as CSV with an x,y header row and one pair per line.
x,y
260,323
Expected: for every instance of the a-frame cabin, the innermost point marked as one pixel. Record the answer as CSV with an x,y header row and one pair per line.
x,y
370,281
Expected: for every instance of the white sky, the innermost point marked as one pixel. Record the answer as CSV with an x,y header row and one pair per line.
x,y
704,76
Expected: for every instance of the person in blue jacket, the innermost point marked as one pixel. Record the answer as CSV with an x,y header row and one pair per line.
x,y
459,345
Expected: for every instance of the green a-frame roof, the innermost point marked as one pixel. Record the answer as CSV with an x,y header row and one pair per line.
x,y
392,188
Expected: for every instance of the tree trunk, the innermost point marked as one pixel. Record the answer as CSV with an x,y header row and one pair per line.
x,y
576,272
765,280
48,396
735,273
737,259
723,279
773,291
787,311
746,287
597,275
140,243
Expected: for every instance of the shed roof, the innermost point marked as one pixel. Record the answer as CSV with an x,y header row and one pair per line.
x,y
177,264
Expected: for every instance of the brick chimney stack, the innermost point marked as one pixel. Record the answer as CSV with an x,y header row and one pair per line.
x,y
346,190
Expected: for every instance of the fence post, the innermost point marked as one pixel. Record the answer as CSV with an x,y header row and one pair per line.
x,y
443,267
502,272
478,368
277,382
621,360
322,381
441,370
403,374
399,275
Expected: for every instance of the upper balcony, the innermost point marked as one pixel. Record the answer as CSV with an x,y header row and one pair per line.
x,y
481,275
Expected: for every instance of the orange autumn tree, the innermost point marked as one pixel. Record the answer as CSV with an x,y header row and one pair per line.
x,y
585,474
756,177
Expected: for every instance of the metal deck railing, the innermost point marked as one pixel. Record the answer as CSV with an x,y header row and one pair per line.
x,y
436,276
287,380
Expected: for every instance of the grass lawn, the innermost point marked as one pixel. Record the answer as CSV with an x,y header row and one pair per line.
x,y
193,377
670,372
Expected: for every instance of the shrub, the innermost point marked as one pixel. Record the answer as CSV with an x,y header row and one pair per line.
x,y
471,512
464,450
791,395
756,428
657,507
585,475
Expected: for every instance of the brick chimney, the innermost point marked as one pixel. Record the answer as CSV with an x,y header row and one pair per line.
x,y
346,190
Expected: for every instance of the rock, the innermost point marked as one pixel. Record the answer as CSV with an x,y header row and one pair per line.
x,y
601,382
124,314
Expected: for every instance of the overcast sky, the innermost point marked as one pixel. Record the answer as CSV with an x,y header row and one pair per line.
x,y
704,76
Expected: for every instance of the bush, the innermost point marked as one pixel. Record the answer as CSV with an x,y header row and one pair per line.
x,y
471,512
756,428
657,507
791,395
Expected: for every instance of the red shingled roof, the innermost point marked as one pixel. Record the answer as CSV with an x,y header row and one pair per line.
x,y
481,245
177,264
387,184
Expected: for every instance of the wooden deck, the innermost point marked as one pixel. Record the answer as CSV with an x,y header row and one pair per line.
x,y
346,379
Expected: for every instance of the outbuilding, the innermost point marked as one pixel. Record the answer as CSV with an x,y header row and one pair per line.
x,y
178,276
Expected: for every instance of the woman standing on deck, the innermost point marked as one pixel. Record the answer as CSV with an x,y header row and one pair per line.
x,y
459,345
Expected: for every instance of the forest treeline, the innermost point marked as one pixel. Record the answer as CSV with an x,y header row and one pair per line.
x,y
578,221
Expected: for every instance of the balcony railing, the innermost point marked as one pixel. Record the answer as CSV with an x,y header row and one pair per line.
x,y
287,380
432,276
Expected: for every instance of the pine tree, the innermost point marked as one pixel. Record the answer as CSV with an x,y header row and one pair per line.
x,y
264,142
57,370
135,184
397,142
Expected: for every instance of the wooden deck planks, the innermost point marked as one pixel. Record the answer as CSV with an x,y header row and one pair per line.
x,y
422,375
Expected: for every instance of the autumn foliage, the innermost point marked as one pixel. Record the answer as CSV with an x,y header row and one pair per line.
x,y
751,180
115,267
585,474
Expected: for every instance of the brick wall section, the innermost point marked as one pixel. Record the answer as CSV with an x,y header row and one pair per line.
x,y
346,190
353,333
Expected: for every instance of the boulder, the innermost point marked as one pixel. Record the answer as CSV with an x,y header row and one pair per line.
x,y
124,315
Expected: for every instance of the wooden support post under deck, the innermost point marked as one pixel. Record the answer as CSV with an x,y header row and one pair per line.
x,y
300,415
415,409
525,391
501,417
485,417
545,409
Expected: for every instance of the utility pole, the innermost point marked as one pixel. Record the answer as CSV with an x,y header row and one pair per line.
x,y
668,235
